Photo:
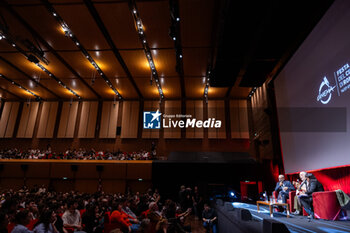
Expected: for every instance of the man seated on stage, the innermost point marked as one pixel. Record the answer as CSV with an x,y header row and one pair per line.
x,y
301,189
313,185
283,187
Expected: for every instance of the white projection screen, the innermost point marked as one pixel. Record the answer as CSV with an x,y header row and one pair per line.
x,y
313,96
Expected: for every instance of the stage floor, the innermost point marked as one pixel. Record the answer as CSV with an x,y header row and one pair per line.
x,y
296,224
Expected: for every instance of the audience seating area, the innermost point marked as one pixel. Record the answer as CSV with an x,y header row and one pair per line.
x,y
80,154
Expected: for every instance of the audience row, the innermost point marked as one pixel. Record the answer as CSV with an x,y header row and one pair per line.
x,y
80,154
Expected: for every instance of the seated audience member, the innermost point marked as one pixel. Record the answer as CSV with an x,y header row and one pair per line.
x,y
175,220
120,217
91,219
71,218
313,185
209,218
22,218
46,223
156,217
283,187
301,189
59,222
126,209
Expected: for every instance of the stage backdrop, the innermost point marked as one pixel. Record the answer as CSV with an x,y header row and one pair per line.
x,y
313,96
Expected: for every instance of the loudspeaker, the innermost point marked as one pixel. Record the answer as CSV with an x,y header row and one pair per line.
x,y
99,168
24,167
74,168
243,214
229,206
273,226
119,130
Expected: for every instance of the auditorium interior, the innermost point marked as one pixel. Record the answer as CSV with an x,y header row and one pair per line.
x,y
174,116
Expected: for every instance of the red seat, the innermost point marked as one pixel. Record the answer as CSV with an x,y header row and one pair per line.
x,y
326,205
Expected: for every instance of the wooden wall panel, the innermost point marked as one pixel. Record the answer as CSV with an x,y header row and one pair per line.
x,y
88,118
12,183
150,106
113,186
12,170
4,118
171,108
68,119
109,119
195,108
239,119
115,171
139,186
28,119
8,119
130,119
47,120
243,118
86,185
60,170
31,182
216,109
136,171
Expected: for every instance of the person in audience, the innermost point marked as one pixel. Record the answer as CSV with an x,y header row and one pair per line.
x,y
313,185
46,222
119,216
209,218
197,202
92,219
126,208
22,219
301,189
283,187
71,218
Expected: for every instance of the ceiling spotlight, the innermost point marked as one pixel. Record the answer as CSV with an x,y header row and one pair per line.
x,y
77,44
174,38
13,45
144,41
177,19
0,37
134,11
54,14
180,56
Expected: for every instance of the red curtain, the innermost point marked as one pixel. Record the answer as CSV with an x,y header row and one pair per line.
x,y
331,179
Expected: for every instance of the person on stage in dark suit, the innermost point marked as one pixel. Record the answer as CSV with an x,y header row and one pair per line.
x,y
312,185
283,187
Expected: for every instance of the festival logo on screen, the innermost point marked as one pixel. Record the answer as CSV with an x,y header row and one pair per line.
x,y
151,120
325,91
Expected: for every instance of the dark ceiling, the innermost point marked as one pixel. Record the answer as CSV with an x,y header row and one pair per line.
x,y
242,43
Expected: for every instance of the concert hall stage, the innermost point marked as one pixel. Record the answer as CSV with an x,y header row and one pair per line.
x,y
234,217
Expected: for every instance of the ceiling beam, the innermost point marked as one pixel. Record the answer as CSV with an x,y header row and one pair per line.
x,y
175,31
11,93
29,77
110,42
38,36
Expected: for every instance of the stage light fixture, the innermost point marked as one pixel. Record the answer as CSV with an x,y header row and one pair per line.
x,y
68,31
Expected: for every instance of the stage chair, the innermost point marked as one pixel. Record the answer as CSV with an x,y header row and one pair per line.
x,y
290,201
326,205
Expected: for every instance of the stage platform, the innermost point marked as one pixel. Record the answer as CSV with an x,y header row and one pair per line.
x,y
294,224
